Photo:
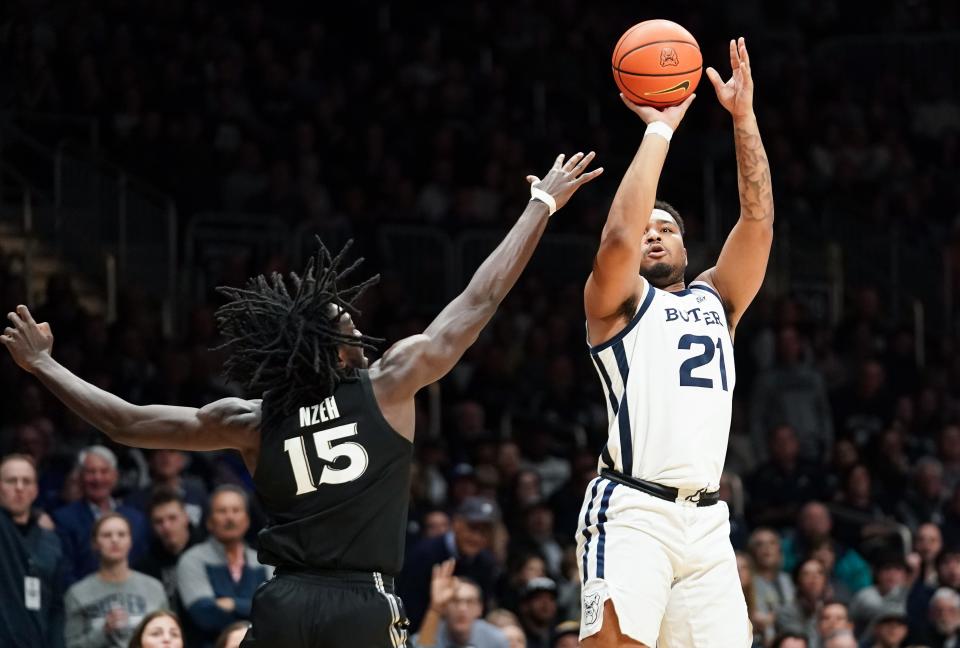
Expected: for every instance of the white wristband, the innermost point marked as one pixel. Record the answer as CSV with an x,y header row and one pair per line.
x,y
544,197
659,128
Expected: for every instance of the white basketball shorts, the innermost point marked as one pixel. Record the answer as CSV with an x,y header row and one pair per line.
x,y
669,569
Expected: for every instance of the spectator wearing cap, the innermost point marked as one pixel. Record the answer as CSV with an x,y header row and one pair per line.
x,y
468,542
890,628
889,588
538,611
453,615
566,635
98,478
34,611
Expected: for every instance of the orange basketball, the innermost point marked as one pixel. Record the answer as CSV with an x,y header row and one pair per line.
x,y
657,62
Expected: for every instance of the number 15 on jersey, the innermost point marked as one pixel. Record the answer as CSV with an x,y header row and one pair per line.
x,y
356,454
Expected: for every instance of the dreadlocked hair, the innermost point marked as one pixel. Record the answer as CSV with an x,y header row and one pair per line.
x,y
284,336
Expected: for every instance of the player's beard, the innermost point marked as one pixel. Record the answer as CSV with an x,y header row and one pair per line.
x,y
661,275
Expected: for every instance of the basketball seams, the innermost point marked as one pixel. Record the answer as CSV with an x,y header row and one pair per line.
x,y
635,68
623,39
667,74
658,42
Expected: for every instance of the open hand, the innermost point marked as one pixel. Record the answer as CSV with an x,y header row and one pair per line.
x,y
27,341
736,95
563,180
671,115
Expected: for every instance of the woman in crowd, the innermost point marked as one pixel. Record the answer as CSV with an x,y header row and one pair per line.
x,y
159,629
103,609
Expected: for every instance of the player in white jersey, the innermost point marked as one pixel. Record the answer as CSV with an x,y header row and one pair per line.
x,y
653,547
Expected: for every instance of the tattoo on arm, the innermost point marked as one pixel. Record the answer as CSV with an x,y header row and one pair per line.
x,y
753,172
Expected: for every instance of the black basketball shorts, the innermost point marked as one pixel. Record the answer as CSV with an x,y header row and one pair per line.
x,y
300,609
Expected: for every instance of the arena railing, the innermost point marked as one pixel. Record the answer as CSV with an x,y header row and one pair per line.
x,y
224,247
100,205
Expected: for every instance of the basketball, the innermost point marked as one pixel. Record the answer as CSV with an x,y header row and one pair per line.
x,y
658,63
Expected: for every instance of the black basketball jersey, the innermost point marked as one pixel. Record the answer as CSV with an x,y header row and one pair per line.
x,y
334,481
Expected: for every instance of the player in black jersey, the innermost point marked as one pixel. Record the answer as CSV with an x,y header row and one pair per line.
x,y
329,442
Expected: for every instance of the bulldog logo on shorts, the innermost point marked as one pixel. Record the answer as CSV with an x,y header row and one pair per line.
x,y
668,56
591,608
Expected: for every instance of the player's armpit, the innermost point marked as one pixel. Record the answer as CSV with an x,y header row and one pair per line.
x,y
742,264
615,279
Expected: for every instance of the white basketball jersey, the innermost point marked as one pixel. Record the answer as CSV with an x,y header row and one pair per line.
x,y
668,378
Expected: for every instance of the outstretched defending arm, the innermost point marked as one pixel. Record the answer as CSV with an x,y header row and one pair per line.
x,y
420,360
615,279
230,423
739,272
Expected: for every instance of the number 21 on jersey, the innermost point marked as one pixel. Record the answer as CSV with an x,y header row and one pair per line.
x,y
356,454
687,379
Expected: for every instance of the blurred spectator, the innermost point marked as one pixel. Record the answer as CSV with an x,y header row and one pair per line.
x,y
761,616
509,625
159,629
924,499
772,584
792,394
951,519
566,635
889,589
944,615
781,485
104,608
825,551
927,544
890,629
522,568
515,636
18,492
814,526
841,639
167,471
98,477
537,536
436,523
217,578
790,640
469,543
538,612
453,615
232,635
833,617
858,515
862,409
948,452
918,599
19,625
800,616
172,534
